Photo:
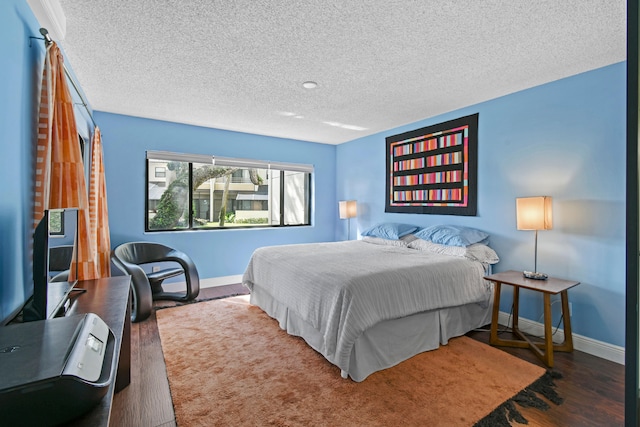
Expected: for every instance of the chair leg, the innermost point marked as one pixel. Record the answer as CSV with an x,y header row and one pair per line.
x,y
156,287
141,302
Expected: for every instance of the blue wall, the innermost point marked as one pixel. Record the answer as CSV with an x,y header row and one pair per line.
x,y
19,78
565,139
216,253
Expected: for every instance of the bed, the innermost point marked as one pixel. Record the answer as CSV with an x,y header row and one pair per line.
x,y
367,305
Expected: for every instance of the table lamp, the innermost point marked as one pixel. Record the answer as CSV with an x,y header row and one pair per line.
x,y
534,213
348,210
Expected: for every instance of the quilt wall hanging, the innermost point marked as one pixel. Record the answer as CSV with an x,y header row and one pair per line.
x,y
433,170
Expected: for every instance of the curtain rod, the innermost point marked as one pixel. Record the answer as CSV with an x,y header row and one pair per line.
x,y
48,41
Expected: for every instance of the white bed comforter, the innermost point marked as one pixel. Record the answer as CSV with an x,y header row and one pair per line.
x,y
343,288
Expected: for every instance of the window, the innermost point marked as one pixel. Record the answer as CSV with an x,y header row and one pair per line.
x,y
161,172
207,192
56,222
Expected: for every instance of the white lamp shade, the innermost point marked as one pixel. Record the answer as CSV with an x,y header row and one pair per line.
x,y
534,213
348,209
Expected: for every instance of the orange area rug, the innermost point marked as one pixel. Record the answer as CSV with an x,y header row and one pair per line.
x,y
229,364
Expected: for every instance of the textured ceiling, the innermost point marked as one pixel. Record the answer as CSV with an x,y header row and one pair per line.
x,y
379,64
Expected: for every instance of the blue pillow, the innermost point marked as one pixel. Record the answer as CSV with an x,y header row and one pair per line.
x,y
452,235
389,230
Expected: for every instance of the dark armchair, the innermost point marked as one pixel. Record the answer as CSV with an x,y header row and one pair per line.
x,y
147,286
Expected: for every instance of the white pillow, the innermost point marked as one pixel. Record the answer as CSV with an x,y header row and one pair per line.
x,y
381,241
408,238
474,252
482,253
425,245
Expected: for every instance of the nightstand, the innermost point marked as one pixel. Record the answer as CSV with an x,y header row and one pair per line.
x,y
548,287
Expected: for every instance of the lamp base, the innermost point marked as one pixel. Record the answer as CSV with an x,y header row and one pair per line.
x,y
535,275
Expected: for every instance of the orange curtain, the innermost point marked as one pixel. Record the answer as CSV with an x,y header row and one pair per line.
x,y
59,180
98,214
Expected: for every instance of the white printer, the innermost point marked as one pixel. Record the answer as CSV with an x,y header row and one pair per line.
x,y
52,371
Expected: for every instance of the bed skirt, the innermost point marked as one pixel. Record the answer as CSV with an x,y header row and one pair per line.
x,y
387,343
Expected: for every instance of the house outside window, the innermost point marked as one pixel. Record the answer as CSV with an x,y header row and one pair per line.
x,y
161,172
225,193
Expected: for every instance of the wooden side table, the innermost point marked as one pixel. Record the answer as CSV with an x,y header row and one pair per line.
x,y
551,286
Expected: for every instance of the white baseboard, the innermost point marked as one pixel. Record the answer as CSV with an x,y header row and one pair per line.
x,y
588,345
209,282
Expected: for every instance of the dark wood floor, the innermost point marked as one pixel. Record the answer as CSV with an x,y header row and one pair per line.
x,y
592,388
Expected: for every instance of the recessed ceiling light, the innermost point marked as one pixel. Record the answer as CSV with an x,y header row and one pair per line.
x,y
309,85
353,127
343,126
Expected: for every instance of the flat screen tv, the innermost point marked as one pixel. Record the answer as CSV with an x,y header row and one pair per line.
x,y
54,240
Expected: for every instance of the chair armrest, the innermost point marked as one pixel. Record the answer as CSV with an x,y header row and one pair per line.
x,y
142,297
190,272
159,276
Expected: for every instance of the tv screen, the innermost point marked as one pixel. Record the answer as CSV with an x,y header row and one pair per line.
x,y
54,240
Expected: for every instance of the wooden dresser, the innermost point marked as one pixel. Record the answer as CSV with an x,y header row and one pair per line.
x,y
109,298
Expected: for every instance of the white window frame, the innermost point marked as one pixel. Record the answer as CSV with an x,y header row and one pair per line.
x,y
270,166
